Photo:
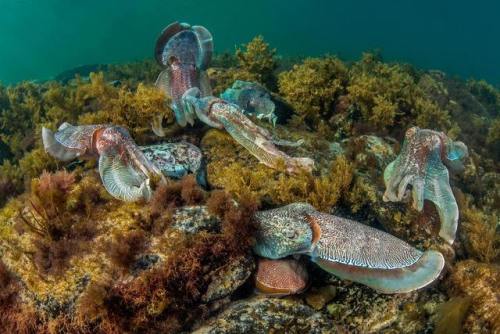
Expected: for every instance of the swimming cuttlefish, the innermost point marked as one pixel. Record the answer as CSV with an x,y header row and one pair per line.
x,y
125,168
252,98
185,51
345,248
423,163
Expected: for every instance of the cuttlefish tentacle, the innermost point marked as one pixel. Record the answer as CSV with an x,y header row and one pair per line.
x,y
124,170
345,248
258,141
185,52
354,251
422,163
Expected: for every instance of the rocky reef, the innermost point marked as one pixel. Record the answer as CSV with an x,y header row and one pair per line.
x,y
76,260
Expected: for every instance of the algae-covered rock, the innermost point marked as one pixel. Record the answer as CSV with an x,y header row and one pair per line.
x,y
318,298
193,219
480,283
228,278
451,315
268,315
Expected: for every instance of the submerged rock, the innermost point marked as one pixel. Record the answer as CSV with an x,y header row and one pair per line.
x,y
228,278
265,315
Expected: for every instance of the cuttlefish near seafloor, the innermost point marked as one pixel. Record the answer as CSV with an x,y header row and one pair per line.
x,y
423,164
185,52
345,248
125,168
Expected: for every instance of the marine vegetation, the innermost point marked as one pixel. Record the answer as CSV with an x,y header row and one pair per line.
x,y
76,260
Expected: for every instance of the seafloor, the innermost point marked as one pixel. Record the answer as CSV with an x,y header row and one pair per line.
x,y
75,260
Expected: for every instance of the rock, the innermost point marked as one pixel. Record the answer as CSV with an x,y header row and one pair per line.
x,y
268,315
194,219
228,278
318,298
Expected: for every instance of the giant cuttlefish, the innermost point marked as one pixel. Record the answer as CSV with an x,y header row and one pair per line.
x,y
125,168
259,142
125,171
422,163
345,248
252,98
186,51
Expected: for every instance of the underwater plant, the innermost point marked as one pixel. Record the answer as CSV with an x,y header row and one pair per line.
x,y
257,59
313,87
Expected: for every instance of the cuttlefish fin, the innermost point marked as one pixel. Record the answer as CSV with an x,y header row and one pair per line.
x,y
437,190
400,280
122,181
206,89
165,36
363,254
56,149
63,126
163,81
206,45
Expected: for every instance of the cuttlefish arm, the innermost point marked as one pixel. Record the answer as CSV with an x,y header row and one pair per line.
x,y
353,251
422,163
122,181
124,170
69,142
221,114
185,52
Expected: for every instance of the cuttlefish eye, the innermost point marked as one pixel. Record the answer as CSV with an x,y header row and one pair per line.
x,y
291,234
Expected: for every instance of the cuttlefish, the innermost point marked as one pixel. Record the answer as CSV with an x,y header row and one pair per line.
x,y
423,163
176,160
345,248
252,98
221,114
185,52
124,169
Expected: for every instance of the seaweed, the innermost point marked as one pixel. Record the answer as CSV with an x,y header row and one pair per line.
x,y
388,96
56,232
479,282
258,59
313,87
167,298
125,247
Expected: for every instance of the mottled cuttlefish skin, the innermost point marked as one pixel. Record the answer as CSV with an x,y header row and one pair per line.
x,y
252,98
259,142
283,231
176,160
363,254
281,277
185,52
125,171
346,248
423,163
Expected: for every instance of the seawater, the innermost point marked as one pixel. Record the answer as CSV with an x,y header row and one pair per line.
x,y
41,38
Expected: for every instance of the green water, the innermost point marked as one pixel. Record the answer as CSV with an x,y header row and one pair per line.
x,y
39,39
